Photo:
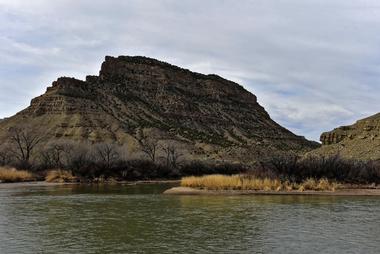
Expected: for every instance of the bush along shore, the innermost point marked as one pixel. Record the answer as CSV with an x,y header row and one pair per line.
x,y
293,174
135,170
278,174
24,160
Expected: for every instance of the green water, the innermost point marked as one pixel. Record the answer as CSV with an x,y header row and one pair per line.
x,y
137,219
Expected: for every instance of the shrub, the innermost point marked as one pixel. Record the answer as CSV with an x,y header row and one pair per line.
x,y
331,168
60,176
197,168
14,175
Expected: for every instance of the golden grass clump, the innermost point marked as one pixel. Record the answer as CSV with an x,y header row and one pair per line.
x,y
10,175
212,182
318,185
60,176
244,182
234,182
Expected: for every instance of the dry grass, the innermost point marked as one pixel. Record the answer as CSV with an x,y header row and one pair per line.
x,y
60,176
234,182
10,175
243,182
318,185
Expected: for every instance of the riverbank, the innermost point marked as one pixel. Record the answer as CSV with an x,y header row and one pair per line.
x,y
47,184
339,192
251,185
30,184
250,182
10,175
59,177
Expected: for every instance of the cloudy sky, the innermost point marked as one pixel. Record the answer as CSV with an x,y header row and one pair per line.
x,y
313,64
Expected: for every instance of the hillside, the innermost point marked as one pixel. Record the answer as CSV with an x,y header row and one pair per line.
x,y
204,116
358,141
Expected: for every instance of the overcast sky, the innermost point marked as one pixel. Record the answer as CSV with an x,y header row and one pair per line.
x,y
314,65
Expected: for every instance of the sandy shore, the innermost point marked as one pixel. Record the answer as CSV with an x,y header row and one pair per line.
x,y
340,192
30,184
46,184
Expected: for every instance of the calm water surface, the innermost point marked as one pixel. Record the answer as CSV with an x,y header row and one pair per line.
x,y
137,219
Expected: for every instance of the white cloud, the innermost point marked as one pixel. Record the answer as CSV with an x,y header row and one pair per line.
x,y
312,64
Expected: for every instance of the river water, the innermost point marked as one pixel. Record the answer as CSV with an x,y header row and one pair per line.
x,y
138,219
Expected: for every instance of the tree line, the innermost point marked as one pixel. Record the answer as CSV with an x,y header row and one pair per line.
x,y
26,149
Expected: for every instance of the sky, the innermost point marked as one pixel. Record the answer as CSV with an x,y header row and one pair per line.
x,y
314,65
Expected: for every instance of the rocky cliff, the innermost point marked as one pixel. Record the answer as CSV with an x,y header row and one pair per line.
x,y
358,141
205,116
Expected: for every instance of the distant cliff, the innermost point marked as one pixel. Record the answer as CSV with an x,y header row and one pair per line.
x,y
204,116
358,141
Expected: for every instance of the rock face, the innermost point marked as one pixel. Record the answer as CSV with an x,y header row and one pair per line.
x,y
205,116
358,141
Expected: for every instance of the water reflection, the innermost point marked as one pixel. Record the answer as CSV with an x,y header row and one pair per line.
x,y
120,219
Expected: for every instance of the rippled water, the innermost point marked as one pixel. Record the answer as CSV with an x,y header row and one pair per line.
x,y
137,219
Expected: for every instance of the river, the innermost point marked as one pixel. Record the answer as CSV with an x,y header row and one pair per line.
x,y
138,219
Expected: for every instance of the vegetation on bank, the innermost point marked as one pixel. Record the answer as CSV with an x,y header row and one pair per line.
x,y
60,176
287,173
90,170
10,175
334,168
248,182
69,161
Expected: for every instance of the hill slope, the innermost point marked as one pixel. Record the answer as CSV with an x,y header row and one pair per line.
x,y
205,116
358,141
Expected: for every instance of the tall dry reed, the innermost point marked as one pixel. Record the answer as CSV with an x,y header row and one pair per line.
x,y
60,176
244,182
13,175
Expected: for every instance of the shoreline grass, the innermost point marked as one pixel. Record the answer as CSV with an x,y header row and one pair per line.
x,y
245,182
60,176
10,175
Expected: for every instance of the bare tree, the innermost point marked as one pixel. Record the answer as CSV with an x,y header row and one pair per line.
x,y
172,155
148,145
107,153
53,155
5,156
25,141
77,156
